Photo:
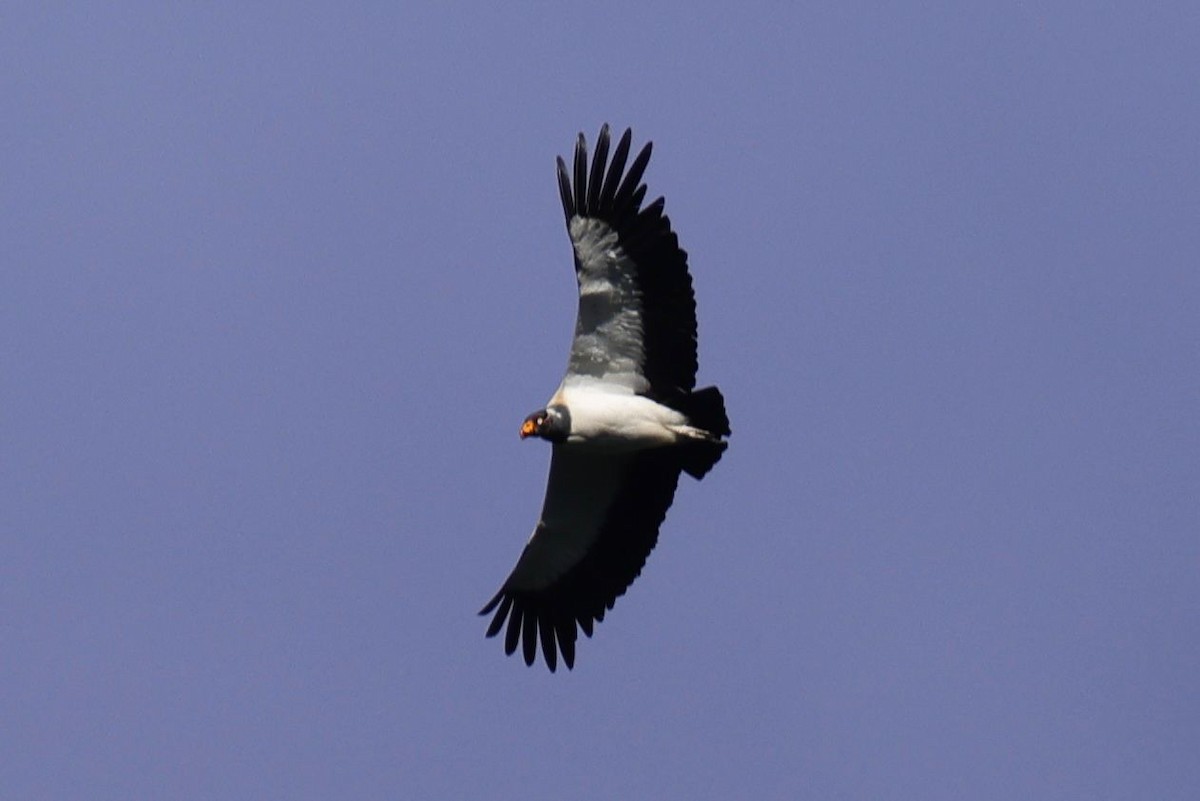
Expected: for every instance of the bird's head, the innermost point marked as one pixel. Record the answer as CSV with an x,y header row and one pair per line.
x,y
552,423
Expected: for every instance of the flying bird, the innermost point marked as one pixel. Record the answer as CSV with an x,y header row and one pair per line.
x,y
626,419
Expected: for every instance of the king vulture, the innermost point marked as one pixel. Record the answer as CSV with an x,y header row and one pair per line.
x,y
626,419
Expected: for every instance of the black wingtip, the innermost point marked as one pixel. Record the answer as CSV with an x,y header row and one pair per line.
x,y
501,613
596,177
490,605
529,637
580,174
603,188
549,650
615,169
568,652
512,634
623,201
564,189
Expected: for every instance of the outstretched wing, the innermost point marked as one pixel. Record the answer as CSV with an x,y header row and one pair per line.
x,y
636,325
599,522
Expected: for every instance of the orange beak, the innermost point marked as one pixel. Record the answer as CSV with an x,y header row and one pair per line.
x,y
527,428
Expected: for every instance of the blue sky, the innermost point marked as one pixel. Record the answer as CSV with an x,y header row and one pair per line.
x,y
280,281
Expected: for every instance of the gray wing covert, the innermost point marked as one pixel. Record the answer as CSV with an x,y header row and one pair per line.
x,y
608,341
636,323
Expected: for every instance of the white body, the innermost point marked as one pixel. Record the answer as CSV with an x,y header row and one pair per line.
x,y
611,419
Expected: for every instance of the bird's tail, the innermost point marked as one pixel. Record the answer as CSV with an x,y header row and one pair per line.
x,y
705,410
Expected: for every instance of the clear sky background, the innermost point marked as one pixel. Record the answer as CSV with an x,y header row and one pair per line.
x,y
278,283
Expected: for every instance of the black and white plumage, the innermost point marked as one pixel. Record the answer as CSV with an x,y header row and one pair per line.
x,y
626,419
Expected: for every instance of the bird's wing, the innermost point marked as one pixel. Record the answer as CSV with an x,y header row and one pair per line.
x,y
636,324
599,522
